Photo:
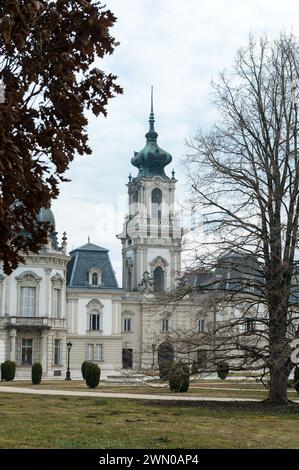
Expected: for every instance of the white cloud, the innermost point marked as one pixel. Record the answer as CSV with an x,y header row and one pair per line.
x,y
177,47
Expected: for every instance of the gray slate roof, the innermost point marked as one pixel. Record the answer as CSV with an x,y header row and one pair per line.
x,y
83,259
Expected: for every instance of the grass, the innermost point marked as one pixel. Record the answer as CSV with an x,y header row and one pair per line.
x,y
71,422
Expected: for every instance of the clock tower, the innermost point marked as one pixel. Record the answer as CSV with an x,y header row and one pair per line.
x,y
151,237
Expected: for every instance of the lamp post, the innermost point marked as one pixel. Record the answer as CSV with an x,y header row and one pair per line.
x,y
69,345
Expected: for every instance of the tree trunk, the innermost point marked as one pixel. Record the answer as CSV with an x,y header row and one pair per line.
x,y
278,385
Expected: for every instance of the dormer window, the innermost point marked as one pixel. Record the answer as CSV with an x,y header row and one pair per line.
x,y
94,277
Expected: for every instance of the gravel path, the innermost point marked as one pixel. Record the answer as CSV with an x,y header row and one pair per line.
x,y
134,396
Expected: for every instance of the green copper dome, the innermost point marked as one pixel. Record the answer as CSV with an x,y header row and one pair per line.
x,y
151,160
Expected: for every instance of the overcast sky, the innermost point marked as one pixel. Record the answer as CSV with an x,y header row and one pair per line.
x,y
177,47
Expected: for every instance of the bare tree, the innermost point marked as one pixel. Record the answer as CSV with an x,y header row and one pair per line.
x,y
244,174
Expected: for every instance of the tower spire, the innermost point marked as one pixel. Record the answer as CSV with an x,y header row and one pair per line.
x,y
152,135
152,100
151,160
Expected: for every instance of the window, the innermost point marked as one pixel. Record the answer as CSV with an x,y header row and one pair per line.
x,y
156,203
249,325
94,352
56,303
158,279
127,324
57,352
94,317
95,321
94,279
98,352
28,294
165,326
248,281
202,358
27,347
157,207
27,304
201,326
89,352
127,358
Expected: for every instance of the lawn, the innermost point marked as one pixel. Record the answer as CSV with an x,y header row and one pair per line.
x,y
71,422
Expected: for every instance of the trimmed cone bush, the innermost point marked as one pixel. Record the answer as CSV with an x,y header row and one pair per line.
x,y
222,370
8,371
194,368
36,373
93,374
296,379
164,368
179,377
84,368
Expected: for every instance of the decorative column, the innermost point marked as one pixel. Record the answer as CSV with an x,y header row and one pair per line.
x,y
44,351
48,272
13,335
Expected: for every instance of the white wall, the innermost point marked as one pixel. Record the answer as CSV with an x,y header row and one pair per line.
x,y
10,290
82,321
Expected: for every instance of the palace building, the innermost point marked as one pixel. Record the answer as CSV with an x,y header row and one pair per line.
x,y
58,297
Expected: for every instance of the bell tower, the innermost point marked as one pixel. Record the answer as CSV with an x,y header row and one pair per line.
x,y
151,237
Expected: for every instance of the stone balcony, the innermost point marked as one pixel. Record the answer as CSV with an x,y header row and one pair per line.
x,y
41,323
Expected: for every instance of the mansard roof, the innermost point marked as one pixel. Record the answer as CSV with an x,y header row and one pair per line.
x,y
85,258
90,247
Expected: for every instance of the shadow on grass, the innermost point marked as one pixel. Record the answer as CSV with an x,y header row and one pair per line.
x,y
245,406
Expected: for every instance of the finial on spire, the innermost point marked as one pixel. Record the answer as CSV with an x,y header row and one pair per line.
x,y
88,239
64,242
152,134
152,100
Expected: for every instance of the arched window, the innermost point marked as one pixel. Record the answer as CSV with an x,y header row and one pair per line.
x,y
94,316
94,279
156,203
158,279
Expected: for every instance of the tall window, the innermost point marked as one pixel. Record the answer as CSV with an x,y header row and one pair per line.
x,y
249,325
156,202
158,279
56,303
98,352
202,358
95,279
165,326
94,352
201,326
157,207
127,324
57,352
89,352
27,348
27,301
248,281
95,321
